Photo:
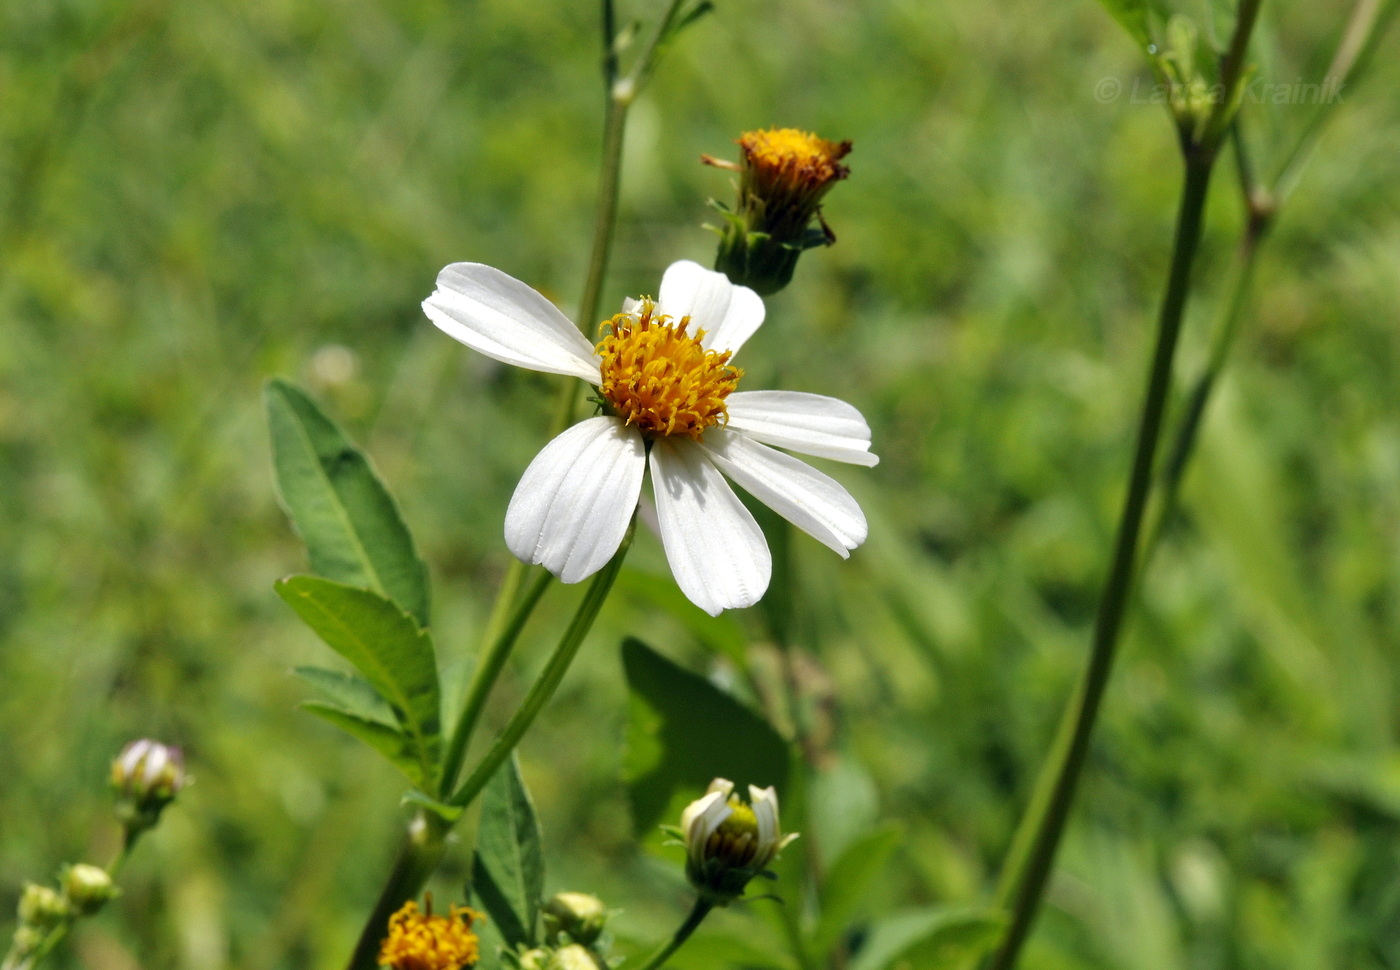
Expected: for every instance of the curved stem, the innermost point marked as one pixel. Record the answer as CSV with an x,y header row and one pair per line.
x,y
696,917
1034,849
550,678
501,633
418,857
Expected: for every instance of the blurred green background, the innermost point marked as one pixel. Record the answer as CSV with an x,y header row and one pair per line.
x,y
195,196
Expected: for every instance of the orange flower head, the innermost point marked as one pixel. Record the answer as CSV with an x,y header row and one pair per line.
x,y
422,941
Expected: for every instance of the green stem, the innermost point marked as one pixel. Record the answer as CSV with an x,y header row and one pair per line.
x,y
419,855
502,632
696,917
1027,872
15,960
550,678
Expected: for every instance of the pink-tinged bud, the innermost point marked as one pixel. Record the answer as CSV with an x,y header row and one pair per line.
x,y
146,777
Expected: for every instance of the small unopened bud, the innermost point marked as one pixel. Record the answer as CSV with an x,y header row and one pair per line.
x,y
535,959
783,176
729,842
575,957
42,907
578,915
87,888
146,777
26,940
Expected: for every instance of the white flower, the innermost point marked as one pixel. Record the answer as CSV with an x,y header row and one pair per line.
x,y
727,842
663,369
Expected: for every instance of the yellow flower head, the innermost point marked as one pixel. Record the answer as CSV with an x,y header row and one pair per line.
x,y
422,941
783,175
790,170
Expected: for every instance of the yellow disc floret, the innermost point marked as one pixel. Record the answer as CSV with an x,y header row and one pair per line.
x,y
660,378
797,160
422,941
736,839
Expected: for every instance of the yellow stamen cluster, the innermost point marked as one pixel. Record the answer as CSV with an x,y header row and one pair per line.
x,y
793,161
422,941
659,378
736,839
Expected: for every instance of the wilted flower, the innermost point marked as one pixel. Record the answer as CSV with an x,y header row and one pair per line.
x,y
669,400
87,888
728,842
146,776
783,175
422,941
578,915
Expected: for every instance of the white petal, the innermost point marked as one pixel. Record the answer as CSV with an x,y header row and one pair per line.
x,y
814,502
495,314
811,424
764,802
573,503
696,809
723,785
716,549
728,314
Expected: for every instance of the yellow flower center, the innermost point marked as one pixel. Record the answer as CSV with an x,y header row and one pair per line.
x,y
736,839
659,378
419,941
796,157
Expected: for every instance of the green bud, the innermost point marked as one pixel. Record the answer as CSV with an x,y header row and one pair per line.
x,y
575,957
579,915
42,907
87,888
535,959
27,940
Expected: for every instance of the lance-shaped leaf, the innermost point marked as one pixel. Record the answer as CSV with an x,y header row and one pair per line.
x,y
508,874
353,531
939,936
684,731
388,739
386,646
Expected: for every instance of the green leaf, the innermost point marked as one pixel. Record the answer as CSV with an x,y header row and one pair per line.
x,y
848,881
684,731
1137,17
385,644
928,938
353,531
508,872
384,738
448,813
349,693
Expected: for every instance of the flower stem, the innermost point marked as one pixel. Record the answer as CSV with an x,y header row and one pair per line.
x,y
697,916
1034,848
502,630
418,857
550,678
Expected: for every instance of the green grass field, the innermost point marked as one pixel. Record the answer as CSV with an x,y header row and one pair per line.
x,y
197,196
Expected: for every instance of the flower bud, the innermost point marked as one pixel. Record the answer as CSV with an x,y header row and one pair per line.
x,y
729,842
42,907
783,176
535,959
87,888
146,777
575,957
578,915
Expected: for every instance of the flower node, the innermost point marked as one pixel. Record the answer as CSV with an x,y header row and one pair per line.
x,y
422,941
660,378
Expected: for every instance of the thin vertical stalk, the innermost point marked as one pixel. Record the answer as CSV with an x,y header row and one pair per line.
x,y
550,678
696,917
1028,872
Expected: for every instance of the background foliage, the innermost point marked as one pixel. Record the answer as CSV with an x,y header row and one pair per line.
x,y
199,195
